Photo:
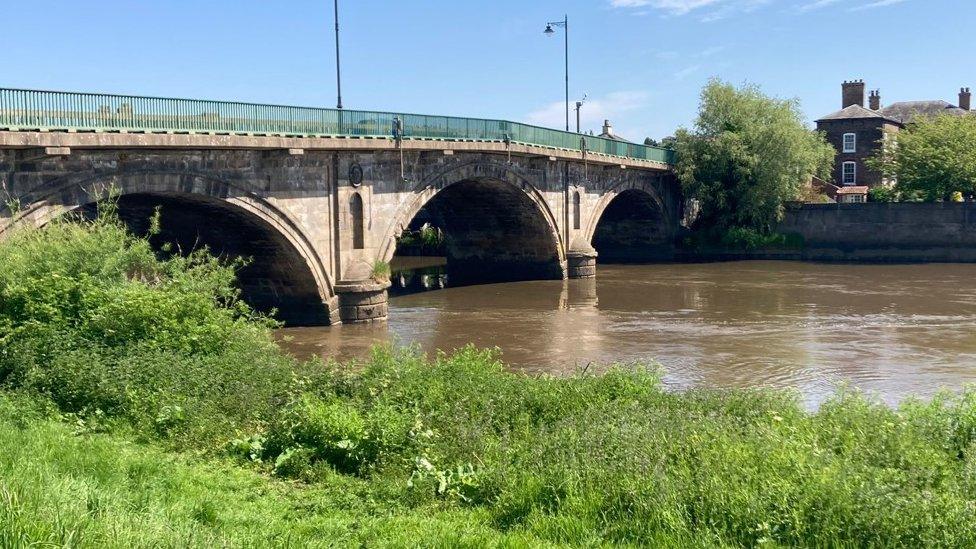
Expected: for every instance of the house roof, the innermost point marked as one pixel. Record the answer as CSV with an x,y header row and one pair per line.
x,y
906,111
854,112
608,133
852,190
902,113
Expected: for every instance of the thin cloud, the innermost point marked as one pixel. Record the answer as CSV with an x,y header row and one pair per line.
x,y
817,5
686,72
716,9
877,4
616,106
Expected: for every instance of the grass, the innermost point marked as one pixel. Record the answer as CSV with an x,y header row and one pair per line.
x,y
141,404
63,488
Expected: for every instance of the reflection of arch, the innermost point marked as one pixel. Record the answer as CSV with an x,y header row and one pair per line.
x,y
67,194
431,186
358,220
576,210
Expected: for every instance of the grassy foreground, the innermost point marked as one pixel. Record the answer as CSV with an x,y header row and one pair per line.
x,y
141,404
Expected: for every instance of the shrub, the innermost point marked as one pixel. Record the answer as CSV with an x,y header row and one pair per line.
x,y
882,194
380,271
743,238
93,319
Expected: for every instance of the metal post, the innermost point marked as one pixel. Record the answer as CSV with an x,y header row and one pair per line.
x,y
338,73
566,36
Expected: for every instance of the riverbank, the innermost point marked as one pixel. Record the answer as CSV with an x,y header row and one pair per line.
x,y
143,406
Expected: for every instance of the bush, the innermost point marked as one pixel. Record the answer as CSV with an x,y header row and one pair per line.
x,y
742,238
93,319
882,194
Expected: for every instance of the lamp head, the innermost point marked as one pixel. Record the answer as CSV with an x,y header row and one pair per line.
x,y
549,31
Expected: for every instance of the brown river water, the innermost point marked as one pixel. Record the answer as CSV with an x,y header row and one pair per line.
x,y
891,330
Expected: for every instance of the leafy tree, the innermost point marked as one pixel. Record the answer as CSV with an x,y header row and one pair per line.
x,y
933,158
882,194
651,142
747,155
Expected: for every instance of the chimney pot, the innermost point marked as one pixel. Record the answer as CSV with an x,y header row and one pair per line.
x,y
965,99
852,93
875,100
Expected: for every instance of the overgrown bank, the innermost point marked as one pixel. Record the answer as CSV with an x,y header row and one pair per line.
x,y
144,405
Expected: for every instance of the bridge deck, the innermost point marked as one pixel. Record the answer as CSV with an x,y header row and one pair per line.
x,y
102,140
222,123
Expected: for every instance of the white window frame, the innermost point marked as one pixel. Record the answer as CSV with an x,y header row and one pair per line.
x,y
843,173
853,147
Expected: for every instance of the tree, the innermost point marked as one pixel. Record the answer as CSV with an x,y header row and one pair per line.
x,y
747,156
933,157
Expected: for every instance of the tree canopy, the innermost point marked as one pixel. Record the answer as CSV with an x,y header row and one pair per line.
x,y
747,155
932,158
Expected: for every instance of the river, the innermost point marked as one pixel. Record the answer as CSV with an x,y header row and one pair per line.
x,y
891,330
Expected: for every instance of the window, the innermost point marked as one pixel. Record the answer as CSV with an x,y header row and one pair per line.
x,y
856,199
356,210
849,176
576,210
850,142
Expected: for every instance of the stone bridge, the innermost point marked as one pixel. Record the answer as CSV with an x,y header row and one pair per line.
x,y
316,214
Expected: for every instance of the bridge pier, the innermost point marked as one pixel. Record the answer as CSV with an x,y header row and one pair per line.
x,y
362,301
581,264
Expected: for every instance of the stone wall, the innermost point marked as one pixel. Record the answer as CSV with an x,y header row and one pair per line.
x,y
882,232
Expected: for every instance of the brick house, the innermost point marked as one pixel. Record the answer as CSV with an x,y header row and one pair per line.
x,y
856,131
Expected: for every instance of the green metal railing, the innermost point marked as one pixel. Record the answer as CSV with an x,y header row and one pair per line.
x,y
60,111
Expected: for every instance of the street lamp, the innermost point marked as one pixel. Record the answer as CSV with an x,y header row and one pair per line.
x,y
549,32
578,105
338,74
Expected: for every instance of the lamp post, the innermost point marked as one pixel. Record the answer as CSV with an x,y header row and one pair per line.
x,y
579,104
549,32
338,74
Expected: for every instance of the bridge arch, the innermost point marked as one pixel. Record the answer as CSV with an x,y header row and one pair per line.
x,y
287,273
630,222
498,225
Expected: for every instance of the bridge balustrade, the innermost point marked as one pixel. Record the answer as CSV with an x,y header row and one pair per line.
x,y
69,111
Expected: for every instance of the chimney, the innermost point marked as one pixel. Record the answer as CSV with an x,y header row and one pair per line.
x,y
965,99
875,100
607,128
853,93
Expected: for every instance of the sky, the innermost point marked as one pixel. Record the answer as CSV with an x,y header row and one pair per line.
x,y
641,63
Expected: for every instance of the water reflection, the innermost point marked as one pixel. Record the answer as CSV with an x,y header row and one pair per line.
x,y
892,329
411,275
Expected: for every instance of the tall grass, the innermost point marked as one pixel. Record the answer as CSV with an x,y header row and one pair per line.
x,y
146,405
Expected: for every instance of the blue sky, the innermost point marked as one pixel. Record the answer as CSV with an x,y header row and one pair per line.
x,y
641,62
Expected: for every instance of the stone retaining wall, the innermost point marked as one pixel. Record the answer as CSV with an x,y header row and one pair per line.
x,y
886,232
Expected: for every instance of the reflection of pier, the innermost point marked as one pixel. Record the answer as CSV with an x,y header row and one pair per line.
x,y
418,274
580,294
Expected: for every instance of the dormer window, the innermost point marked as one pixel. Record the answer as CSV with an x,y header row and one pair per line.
x,y
849,176
850,142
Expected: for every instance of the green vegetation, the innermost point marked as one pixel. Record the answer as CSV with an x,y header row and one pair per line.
x,y
738,239
935,157
426,241
882,194
746,158
380,271
143,405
